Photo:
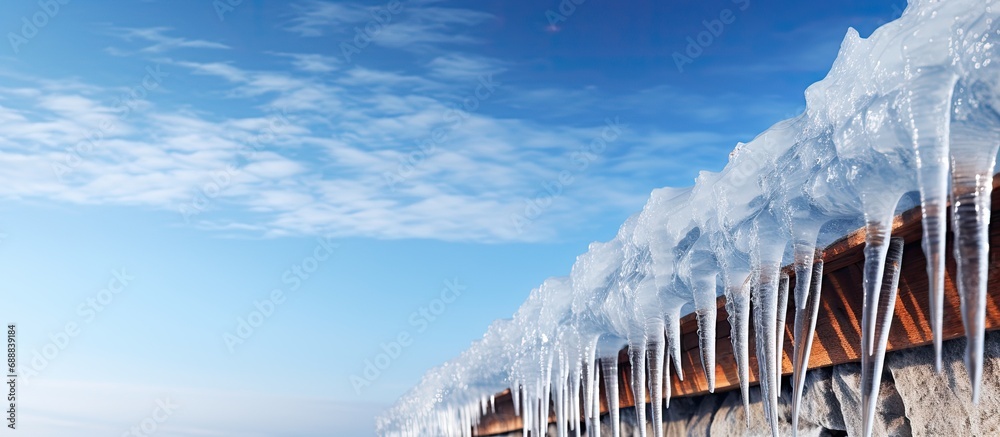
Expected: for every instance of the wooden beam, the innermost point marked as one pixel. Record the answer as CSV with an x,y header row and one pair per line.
x,y
838,333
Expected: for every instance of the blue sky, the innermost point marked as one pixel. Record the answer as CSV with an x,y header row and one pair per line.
x,y
227,152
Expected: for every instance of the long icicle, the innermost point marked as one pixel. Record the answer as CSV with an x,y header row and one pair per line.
x,y
871,363
528,412
562,389
971,212
738,307
780,328
673,322
656,368
575,413
595,403
930,103
637,360
807,308
706,313
591,385
610,367
559,398
515,394
667,388
975,139
543,401
766,306
877,230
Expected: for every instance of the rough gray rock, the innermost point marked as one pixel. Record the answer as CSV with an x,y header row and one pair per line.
x,y
942,404
677,417
913,400
890,415
819,401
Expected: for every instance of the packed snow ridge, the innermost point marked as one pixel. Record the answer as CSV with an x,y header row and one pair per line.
x,y
914,108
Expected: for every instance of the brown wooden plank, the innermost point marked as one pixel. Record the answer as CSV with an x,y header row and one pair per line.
x,y
838,325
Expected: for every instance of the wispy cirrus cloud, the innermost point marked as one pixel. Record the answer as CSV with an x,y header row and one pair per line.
x,y
155,40
346,127
323,174
419,26
312,62
316,18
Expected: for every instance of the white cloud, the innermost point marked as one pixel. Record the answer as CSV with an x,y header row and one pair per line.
x,y
312,62
160,42
346,159
418,26
315,18
460,66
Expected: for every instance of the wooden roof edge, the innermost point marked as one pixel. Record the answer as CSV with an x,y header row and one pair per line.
x,y
838,324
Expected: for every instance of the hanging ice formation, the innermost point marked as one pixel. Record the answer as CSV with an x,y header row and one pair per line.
x,y
913,108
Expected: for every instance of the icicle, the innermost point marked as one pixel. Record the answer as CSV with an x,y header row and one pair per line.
x,y
667,388
929,99
609,365
575,413
765,302
595,405
765,261
526,423
588,389
738,307
807,308
567,392
559,394
885,304
656,371
637,360
877,232
534,408
673,323
780,327
544,399
971,215
703,288
975,138
590,382
515,394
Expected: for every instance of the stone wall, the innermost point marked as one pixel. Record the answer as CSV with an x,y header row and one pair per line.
x,y
913,400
